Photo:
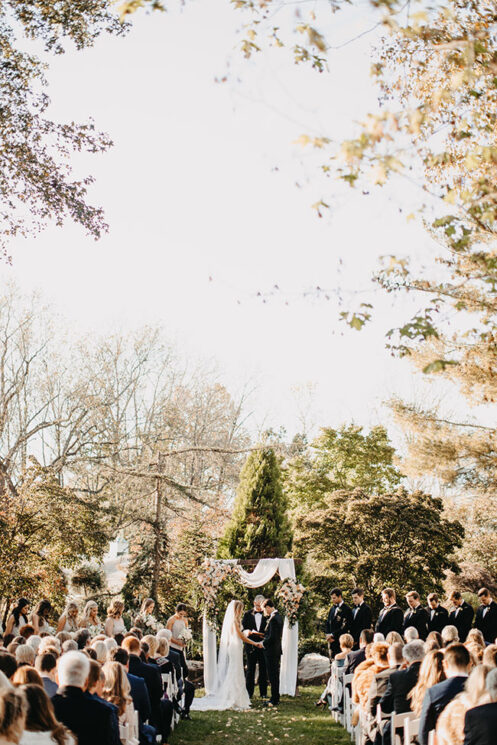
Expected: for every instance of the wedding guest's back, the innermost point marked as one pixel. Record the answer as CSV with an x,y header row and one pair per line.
x,y
480,724
401,682
89,720
46,664
12,715
450,725
456,665
41,726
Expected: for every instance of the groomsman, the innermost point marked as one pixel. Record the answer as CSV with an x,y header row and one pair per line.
x,y
272,649
391,617
438,616
338,622
416,616
486,616
362,616
254,626
462,615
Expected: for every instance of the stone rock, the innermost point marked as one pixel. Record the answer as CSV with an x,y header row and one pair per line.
x,y
313,669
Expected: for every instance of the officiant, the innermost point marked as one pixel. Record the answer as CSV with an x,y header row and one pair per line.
x,y
254,625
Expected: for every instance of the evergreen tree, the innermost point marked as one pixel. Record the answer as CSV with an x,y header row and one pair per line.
x,y
260,527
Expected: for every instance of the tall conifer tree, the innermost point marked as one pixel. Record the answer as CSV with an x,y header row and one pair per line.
x,y
260,527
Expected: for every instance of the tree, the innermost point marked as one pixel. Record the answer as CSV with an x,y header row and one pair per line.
x,y
398,539
259,527
36,184
342,458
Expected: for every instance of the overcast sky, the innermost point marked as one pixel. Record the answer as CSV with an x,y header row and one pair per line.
x,y
209,202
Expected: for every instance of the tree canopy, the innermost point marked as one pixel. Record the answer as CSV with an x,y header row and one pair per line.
x,y
399,539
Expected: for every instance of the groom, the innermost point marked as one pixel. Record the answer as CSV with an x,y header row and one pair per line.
x,y
272,649
254,626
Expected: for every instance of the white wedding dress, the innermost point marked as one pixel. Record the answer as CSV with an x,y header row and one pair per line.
x,y
231,692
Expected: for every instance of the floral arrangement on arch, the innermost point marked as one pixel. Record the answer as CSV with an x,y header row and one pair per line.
x,y
291,592
211,576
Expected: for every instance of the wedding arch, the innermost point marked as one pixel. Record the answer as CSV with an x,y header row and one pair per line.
x,y
213,573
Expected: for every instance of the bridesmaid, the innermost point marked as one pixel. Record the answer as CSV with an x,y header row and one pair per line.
x,y
18,618
114,623
177,624
69,619
39,617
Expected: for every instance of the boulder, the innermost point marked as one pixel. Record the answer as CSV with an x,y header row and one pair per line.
x,y
313,669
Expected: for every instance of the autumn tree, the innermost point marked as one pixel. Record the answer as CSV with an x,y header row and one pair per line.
x,y
259,527
343,458
399,539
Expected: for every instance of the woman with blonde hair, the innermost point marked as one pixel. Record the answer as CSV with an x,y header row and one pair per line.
x,y
90,619
69,619
12,716
116,690
475,644
393,637
114,623
450,724
430,673
100,650
27,674
153,643
42,728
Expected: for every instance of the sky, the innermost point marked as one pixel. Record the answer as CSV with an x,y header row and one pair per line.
x,y
208,198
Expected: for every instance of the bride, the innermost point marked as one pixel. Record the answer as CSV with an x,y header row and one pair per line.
x,y
231,692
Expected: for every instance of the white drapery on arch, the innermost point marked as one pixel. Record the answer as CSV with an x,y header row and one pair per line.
x,y
263,572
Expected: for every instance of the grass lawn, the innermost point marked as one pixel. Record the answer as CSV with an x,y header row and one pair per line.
x,y
295,719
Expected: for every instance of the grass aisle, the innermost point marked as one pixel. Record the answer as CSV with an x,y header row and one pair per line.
x,y
296,719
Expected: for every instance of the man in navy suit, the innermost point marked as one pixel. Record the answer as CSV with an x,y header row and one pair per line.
x,y
90,720
400,684
480,724
486,616
462,615
362,616
456,665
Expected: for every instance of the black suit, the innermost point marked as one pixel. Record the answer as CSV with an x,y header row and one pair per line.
x,y
141,703
440,618
353,660
486,621
162,710
395,698
462,618
362,618
338,622
400,684
90,720
436,699
255,656
480,725
272,654
390,619
418,618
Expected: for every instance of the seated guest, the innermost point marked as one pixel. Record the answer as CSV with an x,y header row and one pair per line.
x,y
139,694
360,671
100,651
410,634
450,725
450,635
346,645
26,631
486,616
41,727
438,616
12,715
46,664
416,615
400,684
27,674
8,664
475,644
490,656
359,655
82,638
379,654
391,617
480,724
89,720
431,672
378,687
456,665
394,638
116,690
25,655
436,637
461,616
94,690
70,646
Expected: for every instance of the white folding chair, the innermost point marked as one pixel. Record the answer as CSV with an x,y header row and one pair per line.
x,y
411,729
397,722
432,738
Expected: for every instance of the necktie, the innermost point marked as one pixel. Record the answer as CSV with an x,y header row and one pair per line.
x,y
356,611
432,615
